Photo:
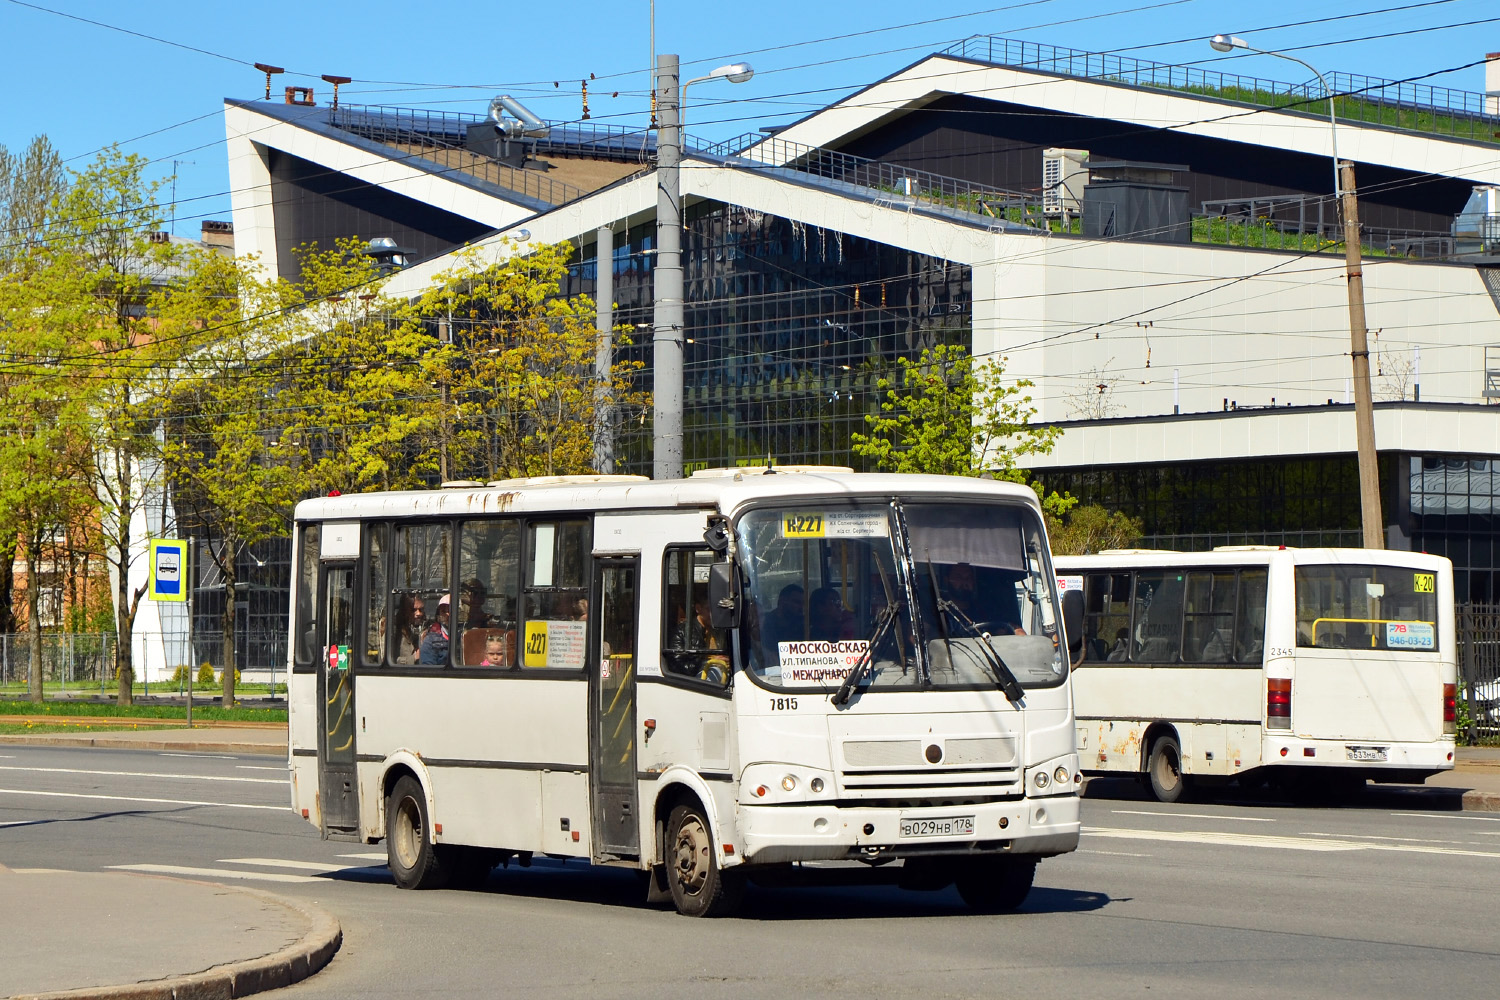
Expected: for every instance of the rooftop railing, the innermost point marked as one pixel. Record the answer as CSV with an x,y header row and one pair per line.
x,y
1298,223
1371,100
439,137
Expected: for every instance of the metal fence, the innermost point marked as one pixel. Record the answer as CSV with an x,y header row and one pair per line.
x,y
1301,223
1418,107
1479,668
85,662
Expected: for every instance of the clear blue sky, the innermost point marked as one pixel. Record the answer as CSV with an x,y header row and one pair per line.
x,y
86,86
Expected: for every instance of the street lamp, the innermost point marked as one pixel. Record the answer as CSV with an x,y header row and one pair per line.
x,y
1364,410
667,318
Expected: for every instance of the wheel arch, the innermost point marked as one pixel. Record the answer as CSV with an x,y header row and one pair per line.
x,y
401,764
681,785
1154,732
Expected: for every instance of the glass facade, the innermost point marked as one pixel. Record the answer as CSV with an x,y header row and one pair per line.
x,y
789,327
1446,505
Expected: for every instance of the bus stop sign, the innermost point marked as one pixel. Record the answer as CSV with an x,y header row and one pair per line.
x,y
168,569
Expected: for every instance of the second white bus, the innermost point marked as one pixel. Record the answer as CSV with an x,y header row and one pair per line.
x,y
1317,669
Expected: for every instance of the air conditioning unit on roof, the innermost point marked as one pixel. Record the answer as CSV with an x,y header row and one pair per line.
x,y
1065,172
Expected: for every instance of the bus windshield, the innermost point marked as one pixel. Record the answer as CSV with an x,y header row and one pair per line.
x,y
826,581
1366,607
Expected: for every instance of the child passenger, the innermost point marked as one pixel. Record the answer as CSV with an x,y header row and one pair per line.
x,y
494,651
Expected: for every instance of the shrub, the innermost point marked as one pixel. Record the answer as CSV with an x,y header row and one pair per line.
x,y
206,673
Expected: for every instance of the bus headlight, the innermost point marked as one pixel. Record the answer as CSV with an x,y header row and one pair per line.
x,y
789,783
1060,775
816,785
1041,780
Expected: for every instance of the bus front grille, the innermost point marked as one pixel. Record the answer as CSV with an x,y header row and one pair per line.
x,y
918,785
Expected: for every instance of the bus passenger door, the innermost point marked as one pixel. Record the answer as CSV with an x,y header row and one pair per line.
x,y
336,780
612,768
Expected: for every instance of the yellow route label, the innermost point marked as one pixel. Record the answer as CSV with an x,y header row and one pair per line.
x,y
1424,583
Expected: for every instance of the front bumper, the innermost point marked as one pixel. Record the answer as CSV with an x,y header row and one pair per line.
x,y
776,834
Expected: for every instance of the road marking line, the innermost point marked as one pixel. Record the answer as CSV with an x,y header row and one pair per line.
x,y
216,873
205,756
1117,854
142,774
256,767
307,866
1174,815
1477,819
371,856
136,798
1399,840
1279,843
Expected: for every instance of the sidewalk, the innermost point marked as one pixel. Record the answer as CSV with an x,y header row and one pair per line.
x,y
203,939
217,739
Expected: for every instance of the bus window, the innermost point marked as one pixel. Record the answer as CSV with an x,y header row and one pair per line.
x,y
691,646
377,546
1208,616
555,597
1366,607
1250,619
420,587
1107,616
489,568
1158,616
308,643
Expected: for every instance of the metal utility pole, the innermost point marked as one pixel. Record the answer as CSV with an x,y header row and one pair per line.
x,y
1364,409
604,321
666,320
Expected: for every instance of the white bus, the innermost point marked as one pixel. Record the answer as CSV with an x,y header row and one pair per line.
x,y
1313,668
697,678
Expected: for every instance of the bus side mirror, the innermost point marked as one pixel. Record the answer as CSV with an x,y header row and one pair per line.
x,y
1072,613
723,595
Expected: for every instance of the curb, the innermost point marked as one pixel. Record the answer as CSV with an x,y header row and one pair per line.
x,y
108,742
291,964
1475,801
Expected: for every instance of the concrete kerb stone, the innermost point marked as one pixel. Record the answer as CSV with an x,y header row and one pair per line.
x,y
291,964
107,742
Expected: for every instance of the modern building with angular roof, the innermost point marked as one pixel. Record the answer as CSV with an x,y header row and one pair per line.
x,y
1155,247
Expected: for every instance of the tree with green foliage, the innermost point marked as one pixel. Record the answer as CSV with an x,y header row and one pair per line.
x,y
515,368
948,415
221,446
945,414
103,235
359,407
43,422
30,183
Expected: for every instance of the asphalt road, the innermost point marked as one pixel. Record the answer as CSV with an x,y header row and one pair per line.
x,y
1229,898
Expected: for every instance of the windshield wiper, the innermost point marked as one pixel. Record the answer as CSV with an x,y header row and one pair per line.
x,y
1003,677
883,620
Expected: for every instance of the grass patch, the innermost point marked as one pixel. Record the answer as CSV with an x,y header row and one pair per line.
x,y
204,713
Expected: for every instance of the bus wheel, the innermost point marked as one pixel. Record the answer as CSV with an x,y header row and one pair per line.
x,y
700,888
996,885
1164,770
415,863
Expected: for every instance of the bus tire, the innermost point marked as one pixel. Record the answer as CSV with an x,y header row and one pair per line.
x,y
700,888
414,861
996,885
1164,770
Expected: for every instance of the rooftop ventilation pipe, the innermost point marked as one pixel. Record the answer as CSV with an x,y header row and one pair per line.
x,y
528,124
